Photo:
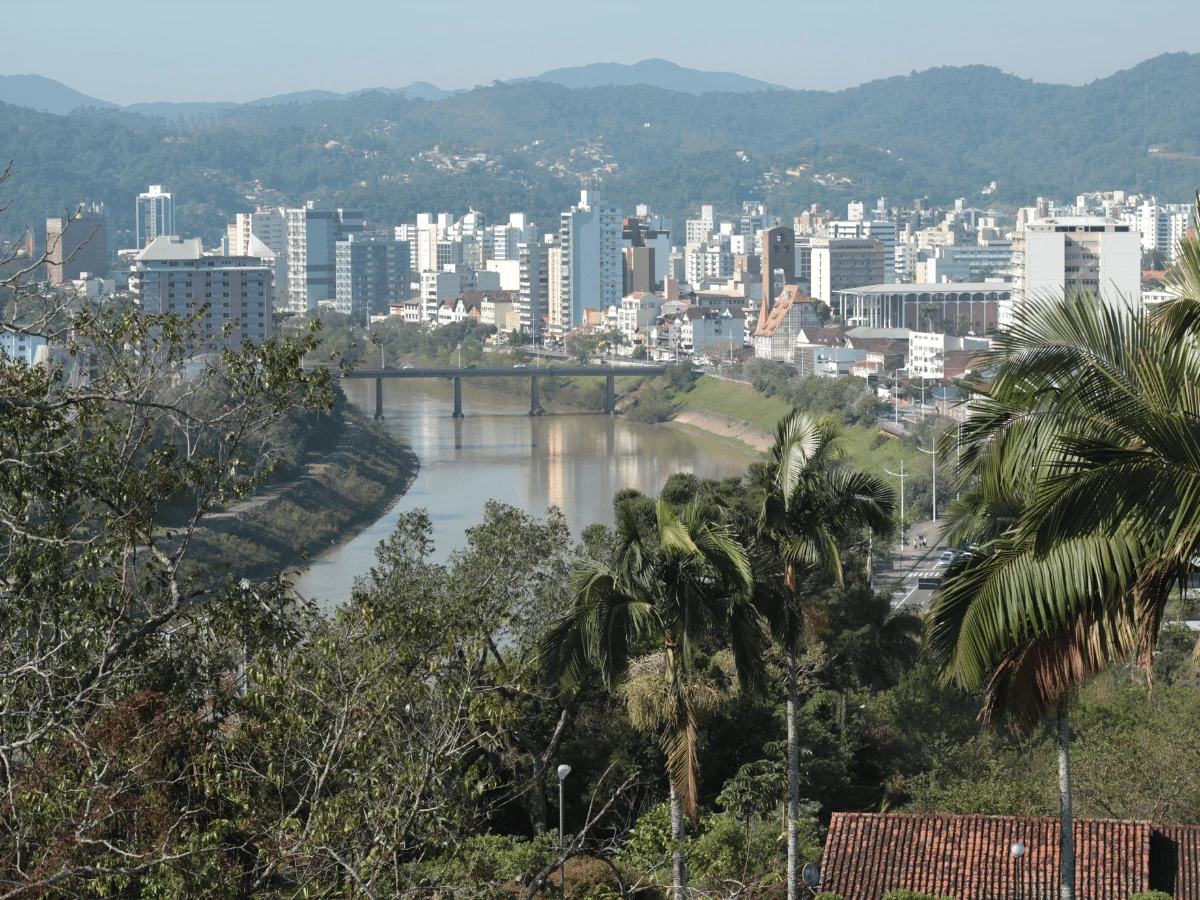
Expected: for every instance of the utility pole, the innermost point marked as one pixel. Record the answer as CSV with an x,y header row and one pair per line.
x,y
933,453
900,475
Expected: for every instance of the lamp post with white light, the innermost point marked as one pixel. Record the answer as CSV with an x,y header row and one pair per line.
x,y
1018,851
563,771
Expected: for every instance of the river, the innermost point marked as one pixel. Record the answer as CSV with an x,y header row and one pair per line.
x,y
573,461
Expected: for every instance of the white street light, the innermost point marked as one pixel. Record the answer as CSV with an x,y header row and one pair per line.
x,y
900,475
563,771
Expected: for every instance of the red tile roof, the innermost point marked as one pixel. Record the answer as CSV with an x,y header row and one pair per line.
x,y
969,857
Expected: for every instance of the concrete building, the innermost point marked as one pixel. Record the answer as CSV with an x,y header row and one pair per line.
x,y
881,230
269,225
499,309
78,245
590,238
928,352
175,276
555,323
839,264
509,271
637,313
929,307
313,231
155,215
704,329
21,348
532,286
1055,256
638,270
778,266
791,313
991,261
1162,226
370,274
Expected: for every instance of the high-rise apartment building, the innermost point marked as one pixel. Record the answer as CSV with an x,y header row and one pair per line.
x,y
590,238
370,273
554,304
312,235
1055,256
268,225
1161,226
839,264
532,294
174,275
155,215
77,245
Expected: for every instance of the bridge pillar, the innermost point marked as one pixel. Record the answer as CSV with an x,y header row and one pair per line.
x,y
610,394
378,398
535,402
458,413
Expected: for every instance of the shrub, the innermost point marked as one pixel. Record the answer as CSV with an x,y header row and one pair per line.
x,y
911,895
652,406
828,895
1151,895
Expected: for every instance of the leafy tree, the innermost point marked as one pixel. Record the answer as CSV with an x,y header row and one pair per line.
x,y
811,507
666,588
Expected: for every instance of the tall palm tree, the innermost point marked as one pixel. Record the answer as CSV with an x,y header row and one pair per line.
x,y
812,505
1083,463
667,588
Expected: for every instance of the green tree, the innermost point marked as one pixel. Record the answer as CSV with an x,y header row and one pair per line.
x,y
667,588
1082,485
812,505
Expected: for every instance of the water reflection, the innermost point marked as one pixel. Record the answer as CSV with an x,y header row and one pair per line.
x,y
574,462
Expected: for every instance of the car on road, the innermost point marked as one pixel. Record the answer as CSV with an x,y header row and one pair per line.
x,y
409,367
947,559
520,366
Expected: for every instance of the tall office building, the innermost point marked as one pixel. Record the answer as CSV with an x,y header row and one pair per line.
x,y
174,275
312,235
76,246
1054,256
839,264
155,215
371,273
590,239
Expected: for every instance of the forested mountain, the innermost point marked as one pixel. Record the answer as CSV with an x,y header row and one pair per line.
x,y
943,133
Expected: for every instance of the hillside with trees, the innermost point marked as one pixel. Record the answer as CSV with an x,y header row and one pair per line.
x,y
942,134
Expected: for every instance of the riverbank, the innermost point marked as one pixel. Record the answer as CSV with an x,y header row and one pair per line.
x,y
337,494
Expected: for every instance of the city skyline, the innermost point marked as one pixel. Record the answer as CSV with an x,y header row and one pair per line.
x,y
807,47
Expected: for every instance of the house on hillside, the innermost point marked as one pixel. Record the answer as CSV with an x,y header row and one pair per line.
x,y
971,857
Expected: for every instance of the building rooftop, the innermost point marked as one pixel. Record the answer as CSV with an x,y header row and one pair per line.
x,y
169,247
870,854
925,287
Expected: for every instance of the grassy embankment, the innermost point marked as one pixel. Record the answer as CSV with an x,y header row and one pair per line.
x,y
734,403
339,490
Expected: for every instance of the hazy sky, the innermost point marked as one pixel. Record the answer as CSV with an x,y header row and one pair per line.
x,y
138,50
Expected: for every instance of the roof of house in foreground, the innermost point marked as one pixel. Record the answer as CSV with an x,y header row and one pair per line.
x,y
970,858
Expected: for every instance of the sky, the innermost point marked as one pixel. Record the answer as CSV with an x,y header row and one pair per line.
x,y
129,51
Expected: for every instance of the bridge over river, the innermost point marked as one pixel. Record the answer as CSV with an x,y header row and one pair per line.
x,y
534,374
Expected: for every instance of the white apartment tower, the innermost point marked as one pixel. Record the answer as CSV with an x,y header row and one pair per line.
x,y
1054,256
270,227
590,240
155,215
313,231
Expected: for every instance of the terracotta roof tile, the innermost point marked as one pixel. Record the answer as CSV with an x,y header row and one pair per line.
x,y
969,858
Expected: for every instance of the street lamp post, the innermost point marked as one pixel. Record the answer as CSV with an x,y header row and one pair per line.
x,y
1018,851
900,475
933,453
563,771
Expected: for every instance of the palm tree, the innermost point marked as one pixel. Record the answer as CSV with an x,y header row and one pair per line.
x,y
1083,463
812,504
667,588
